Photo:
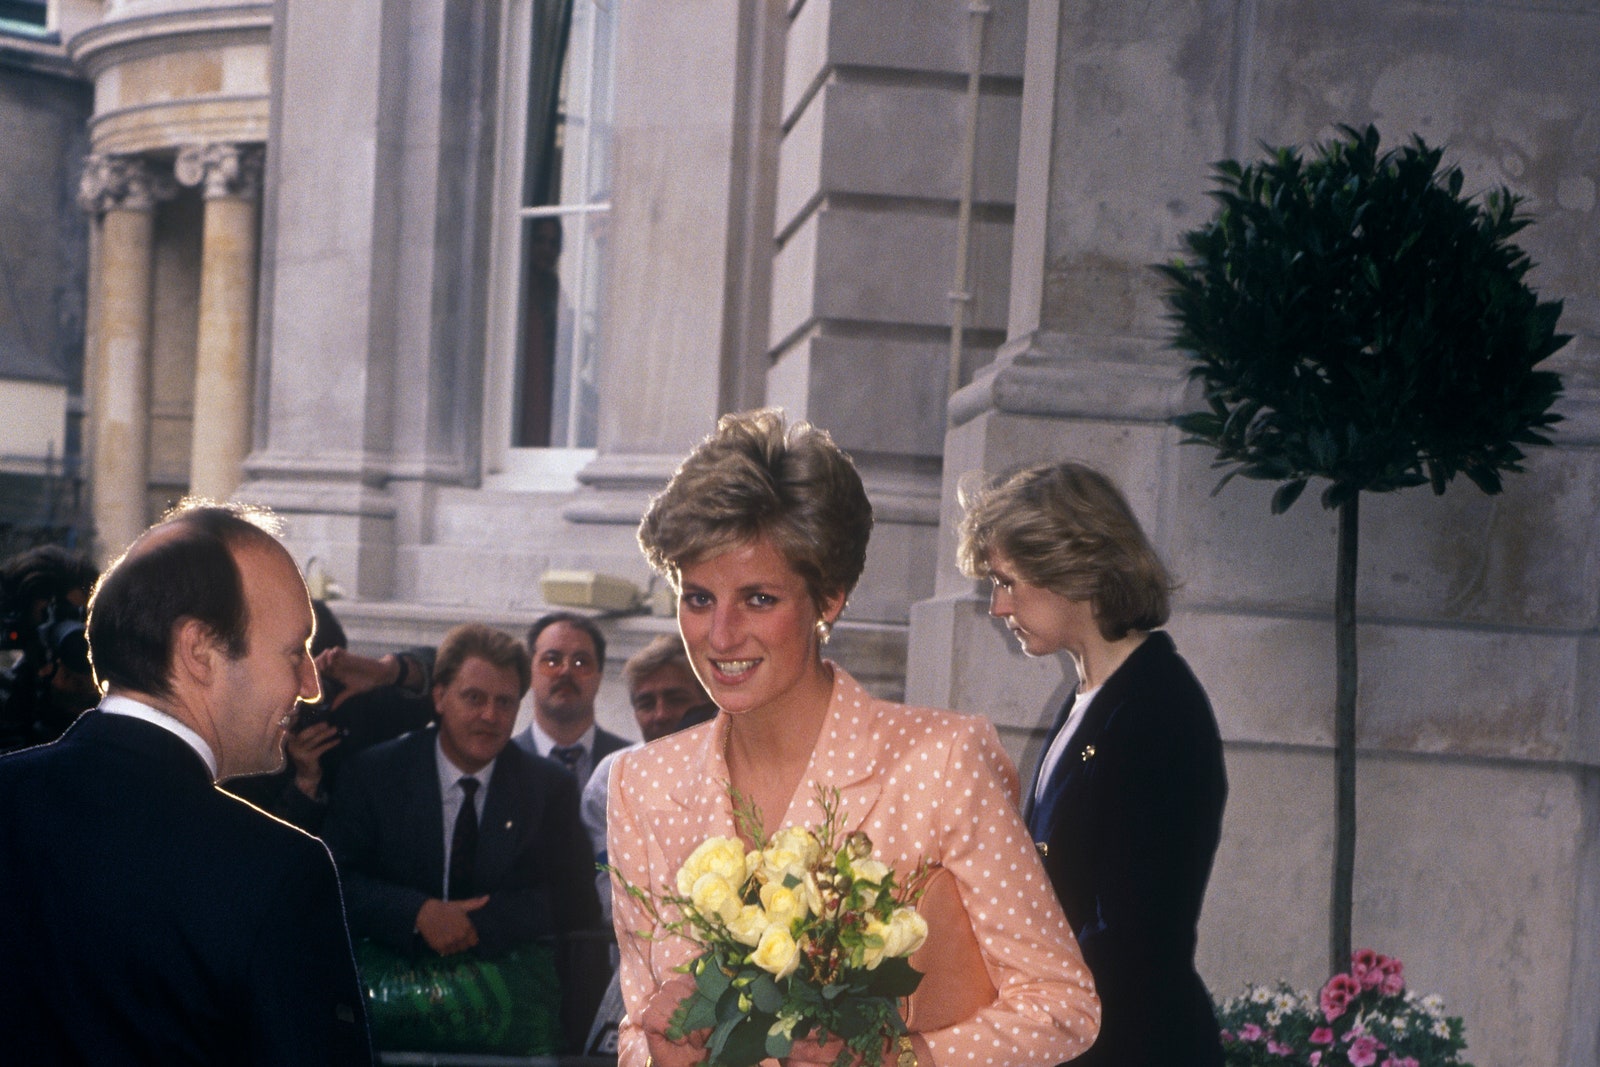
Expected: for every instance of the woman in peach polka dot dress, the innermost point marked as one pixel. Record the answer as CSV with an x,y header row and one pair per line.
x,y
763,533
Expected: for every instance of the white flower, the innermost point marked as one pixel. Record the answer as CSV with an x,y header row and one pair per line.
x,y
1440,1028
1260,995
1433,1004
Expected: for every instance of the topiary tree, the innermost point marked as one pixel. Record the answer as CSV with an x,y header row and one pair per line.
x,y
1354,318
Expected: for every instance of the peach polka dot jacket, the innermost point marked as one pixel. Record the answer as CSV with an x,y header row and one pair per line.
x,y
920,782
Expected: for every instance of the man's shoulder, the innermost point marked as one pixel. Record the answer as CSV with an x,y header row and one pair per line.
x,y
606,742
407,749
529,770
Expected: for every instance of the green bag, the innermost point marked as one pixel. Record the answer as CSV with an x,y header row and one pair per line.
x,y
505,1006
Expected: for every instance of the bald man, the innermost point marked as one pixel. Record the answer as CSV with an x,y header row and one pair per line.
x,y
147,916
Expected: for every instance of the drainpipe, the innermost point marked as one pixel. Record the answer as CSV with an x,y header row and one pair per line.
x,y
960,298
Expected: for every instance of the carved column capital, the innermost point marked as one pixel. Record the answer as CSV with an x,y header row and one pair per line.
x,y
221,169
122,183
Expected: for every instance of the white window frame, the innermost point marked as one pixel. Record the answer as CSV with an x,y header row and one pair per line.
x,y
504,466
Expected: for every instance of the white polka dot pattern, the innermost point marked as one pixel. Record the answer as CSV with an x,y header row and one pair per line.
x,y
921,783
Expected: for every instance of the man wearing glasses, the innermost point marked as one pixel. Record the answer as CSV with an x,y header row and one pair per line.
x,y
569,652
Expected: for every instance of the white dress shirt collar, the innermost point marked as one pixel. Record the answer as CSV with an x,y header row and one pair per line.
x,y
133,709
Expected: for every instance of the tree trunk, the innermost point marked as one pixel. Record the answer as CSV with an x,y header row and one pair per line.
x,y
1344,740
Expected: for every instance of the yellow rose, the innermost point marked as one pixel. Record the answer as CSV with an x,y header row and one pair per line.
x,y
783,905
713,896
907,932
777,953
869,870
877,936
748,926
722,856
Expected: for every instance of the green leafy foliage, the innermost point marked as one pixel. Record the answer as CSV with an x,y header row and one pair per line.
x,y
1353,317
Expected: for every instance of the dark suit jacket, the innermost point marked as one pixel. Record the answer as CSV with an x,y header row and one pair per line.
x,y
146,917
1131,819
385,826
605,743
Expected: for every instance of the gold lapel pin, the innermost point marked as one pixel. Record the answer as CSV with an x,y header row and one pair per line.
x,y
1088,753
508,824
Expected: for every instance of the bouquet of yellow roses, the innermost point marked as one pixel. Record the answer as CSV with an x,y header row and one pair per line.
x,y
805,935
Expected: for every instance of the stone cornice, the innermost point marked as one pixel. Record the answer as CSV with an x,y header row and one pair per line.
x,y
122,183
1049,375
152,33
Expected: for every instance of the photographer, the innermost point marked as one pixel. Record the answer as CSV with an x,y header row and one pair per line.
x,y
45,679
327,733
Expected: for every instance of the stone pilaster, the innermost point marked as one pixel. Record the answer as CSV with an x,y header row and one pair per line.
x,y
229,178
122,193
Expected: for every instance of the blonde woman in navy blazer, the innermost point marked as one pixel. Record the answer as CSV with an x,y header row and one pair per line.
x,y
1126,806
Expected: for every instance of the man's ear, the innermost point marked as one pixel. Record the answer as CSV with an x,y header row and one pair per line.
x,y
196,652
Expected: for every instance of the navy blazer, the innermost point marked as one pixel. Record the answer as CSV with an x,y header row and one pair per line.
x,y
385,826
147,917
1129,824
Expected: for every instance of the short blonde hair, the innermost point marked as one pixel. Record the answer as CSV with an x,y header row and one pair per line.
x,y
753,477
474,640
1066,527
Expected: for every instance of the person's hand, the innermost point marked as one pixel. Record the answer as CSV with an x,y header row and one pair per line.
x,y
305,748
446,924
809,1051
356,673
665,1052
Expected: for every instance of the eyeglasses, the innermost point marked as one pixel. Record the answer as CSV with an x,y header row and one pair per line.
x,y
581,664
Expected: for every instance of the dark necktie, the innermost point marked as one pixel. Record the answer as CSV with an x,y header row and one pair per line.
x,y
568,756
464,842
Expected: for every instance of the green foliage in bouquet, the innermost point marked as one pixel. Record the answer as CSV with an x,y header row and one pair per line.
x,y
806,935
1364,1017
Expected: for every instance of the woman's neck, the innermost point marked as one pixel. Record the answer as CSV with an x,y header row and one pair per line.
x,y
1100,658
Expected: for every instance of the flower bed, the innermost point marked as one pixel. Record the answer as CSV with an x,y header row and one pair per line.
x,y
1364,1017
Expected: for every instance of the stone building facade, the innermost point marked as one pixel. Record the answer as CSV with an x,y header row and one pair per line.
x,y
515,256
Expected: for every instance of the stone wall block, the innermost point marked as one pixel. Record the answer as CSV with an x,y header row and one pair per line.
x,y
1500,87
902,140
908,379
915,35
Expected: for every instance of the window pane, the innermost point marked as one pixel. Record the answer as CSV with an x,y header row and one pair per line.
x,y
563,230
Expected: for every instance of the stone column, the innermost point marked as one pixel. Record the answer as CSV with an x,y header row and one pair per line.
x,y
122,191
229,177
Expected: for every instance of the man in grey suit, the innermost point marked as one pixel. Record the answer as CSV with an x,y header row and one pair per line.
x,y
146,916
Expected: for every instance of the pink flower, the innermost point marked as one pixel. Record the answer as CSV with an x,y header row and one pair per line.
x,y
1364,1050
1365,967
1226,1035
1249,1032
1392,973
1322,1035
1337,995
1316,1058
1277,1049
